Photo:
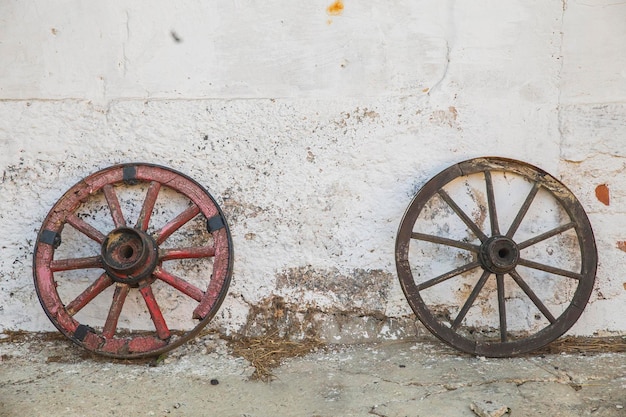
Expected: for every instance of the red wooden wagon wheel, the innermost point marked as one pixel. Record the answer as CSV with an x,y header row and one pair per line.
x,y
143,266
496,257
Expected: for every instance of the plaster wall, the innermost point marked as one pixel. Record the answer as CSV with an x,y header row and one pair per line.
x,y
313,126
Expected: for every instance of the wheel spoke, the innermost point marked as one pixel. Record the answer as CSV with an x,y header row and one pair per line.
x,y
179,283
491,201
84,227
550,269
462,215
501,306
148,205
522,211
177,223
76,263
119,296
99,285
114,206
155,312
531,294
546,235
187,253
445,241
444,277
470,300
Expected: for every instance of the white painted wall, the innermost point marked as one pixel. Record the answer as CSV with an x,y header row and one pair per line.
x,y
312,130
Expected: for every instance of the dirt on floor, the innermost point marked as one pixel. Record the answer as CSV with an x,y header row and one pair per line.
x,y
46,375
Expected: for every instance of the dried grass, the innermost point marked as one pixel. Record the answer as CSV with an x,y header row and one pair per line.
x,y
19,336
586,345
267,352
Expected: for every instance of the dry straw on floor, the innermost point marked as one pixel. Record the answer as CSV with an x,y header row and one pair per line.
x,y
267,352
586,345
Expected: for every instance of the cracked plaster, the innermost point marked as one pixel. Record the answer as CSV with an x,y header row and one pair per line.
x,y
312,134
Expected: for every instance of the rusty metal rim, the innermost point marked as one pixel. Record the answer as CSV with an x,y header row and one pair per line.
x,y
504,347
49,237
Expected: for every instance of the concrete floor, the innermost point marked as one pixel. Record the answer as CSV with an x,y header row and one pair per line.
x,y
424,378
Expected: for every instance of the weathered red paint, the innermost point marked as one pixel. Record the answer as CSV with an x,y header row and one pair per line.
x,y
119,296
179,283
176,223
114,346
114,205
76,263
85,228
187,253
84,298
221,269
145,344
148,205
106,341
92,341
155,312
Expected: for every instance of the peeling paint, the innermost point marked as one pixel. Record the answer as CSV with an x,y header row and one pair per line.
x,y
330,305
275,315
445,117
364,289
313,158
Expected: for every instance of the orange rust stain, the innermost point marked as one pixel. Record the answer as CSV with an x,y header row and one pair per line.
x,y
602,194
624,285
336,8
621,245
426,90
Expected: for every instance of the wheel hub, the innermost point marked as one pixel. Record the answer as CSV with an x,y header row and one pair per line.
x,y
129,255
499,254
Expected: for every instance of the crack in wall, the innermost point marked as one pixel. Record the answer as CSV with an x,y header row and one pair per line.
x,y
124,56
449,37
445,70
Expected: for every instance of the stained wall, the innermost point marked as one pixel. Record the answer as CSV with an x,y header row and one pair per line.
x,y
313,124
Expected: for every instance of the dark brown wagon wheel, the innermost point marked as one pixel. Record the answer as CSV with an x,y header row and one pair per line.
x,y
111,281
496,257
